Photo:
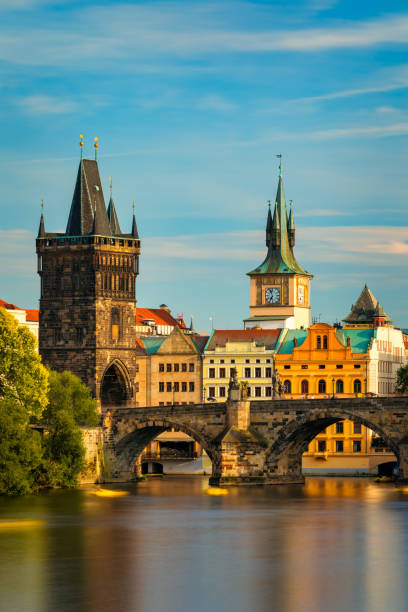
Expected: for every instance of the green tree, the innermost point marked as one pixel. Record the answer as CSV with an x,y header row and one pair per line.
x,y
402,380
70,405
21,451
23,378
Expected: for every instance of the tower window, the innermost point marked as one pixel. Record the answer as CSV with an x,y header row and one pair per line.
x,y
322,386
339,386
304,386
115,324
357,386
325,342
318,342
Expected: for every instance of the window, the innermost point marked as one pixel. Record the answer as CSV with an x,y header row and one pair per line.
x,y
211,372
184,367
267,361
339,386
357,428
305,367
115,322
287,387
231,372
339,366
339,446
191,367
168,387
286,367
221,360
79,335
325,342
304,387
321,446
268,372
191,387
258,392
222,391
222,372
232,360
322,366
161,367
357,386
161,403
248,391
247,372
322,386
211,360
268,391
356,446
258,372
137,387
176,387
318,342
168,367
357,366
246,360
161,387
339,428
184,387
257,361
177,367
211,391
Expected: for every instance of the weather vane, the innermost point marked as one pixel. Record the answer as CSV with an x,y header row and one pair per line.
x,y
96,148
280,163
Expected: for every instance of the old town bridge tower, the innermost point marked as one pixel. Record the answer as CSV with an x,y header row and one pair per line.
x,y
87,305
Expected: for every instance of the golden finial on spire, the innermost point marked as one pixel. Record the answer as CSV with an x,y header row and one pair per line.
x,y
133,206
81,142
42,206
111,185
96,147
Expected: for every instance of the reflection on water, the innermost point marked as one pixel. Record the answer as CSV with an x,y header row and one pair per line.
x,y
333,544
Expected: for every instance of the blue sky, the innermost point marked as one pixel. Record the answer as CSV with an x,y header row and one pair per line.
x,y
191,102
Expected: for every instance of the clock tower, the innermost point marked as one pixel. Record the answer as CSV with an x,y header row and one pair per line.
x,y
279,287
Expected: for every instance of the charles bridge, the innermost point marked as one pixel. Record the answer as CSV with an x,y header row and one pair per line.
x,y
258,442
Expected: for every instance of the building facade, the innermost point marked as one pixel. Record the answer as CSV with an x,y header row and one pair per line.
x,y
24,316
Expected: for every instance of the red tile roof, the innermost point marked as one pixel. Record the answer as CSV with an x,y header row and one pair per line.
x,y
8,306
158,315
32,314
266,337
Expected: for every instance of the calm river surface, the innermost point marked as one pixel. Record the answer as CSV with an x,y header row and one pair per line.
x,y
330,545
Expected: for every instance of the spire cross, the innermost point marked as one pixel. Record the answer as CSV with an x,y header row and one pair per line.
x,y
81,142
280,164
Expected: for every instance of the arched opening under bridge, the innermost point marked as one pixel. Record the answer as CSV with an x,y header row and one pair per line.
x,y
343,444
165,447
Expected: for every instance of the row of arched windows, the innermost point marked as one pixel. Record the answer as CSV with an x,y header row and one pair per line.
x,y
322,387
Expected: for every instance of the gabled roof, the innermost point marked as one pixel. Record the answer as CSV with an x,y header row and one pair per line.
x,y
366,309
152,345
200,342
32,314
88,209
262,337
8,306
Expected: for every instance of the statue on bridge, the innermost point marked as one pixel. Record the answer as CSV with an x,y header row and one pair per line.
x,y
277,386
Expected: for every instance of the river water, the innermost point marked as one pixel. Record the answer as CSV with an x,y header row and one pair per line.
x,y
330,545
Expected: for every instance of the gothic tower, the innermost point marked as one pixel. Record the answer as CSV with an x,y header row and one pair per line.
x,y
87,304
279,287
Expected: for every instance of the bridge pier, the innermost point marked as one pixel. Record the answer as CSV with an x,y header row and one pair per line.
x,y
403,463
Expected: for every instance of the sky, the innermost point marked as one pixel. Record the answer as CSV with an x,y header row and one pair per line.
x,y
191,102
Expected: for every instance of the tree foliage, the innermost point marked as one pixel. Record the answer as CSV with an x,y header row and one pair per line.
x,y
67,393
402,380
20,450
23,378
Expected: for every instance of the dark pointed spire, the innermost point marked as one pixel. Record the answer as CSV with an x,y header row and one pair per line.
x,y
191,328
88,194
366,309
135,233
41,229
276,228
291,227
269,225
113,218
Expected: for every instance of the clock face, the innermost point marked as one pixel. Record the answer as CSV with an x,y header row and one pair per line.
x,y
272,295
301,294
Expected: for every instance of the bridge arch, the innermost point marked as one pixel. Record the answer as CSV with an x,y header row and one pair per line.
x,y
140,432
284,456
115,388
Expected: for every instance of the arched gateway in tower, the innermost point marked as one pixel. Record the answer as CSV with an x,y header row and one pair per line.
x,y
87,305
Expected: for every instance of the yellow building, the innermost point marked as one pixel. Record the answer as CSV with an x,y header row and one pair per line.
x,y
250,351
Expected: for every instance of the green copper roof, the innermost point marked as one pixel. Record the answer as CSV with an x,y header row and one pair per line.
x,y
152,345
360,339
287,345
280,258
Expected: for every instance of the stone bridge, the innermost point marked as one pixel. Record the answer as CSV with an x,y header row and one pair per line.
x,y
250,442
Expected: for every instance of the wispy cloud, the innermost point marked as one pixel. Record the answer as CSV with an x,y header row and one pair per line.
x,y
373,131
215,103
46,105
348,93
